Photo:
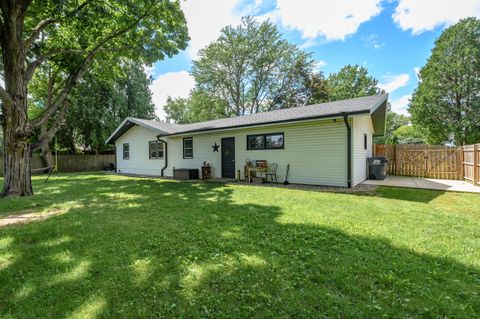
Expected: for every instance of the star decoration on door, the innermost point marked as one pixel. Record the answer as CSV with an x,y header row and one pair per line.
x,y
215,147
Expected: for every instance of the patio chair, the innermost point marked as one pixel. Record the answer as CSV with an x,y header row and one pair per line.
x,y
272,173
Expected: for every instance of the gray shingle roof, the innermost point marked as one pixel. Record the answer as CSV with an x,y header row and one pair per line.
x,y
362,105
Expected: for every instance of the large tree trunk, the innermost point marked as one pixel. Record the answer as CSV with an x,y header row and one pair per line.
x,y
16,126
16,168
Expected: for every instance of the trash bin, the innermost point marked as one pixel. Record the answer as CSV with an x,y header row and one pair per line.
x,y
377,167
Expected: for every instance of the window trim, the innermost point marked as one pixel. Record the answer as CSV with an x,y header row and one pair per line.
x,y
150,150
128,151
183,144
264,136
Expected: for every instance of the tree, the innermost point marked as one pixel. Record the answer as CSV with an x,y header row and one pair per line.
x,y
35,33
316,88
394,121
97,106
200,106
252,69
407,134
350,82
446,103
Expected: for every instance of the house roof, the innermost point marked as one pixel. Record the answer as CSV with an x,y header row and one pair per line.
x,y
157,126
374,105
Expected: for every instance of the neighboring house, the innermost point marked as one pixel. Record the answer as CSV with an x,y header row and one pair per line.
x,y
325,144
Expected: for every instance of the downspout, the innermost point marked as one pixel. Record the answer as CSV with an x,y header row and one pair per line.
x,y
116,166
349,150
165,151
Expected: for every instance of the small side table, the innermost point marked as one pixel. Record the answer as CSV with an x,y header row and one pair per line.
x,y
206,172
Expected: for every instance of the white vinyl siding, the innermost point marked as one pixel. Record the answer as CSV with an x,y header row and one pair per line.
x,y
316,152
139,162
361,125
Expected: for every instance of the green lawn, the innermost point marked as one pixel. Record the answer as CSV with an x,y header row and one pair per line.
x,y
144,248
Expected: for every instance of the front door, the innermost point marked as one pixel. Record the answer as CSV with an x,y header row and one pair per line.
x,y
228,157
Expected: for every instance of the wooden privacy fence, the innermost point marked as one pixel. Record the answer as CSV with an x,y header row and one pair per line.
x,y
471,163
74,163
432,161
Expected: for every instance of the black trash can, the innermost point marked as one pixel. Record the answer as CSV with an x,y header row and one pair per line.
x,y
377,167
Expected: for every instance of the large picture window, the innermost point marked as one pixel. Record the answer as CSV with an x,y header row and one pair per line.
x,y
271,141
188,147
155,150
126,151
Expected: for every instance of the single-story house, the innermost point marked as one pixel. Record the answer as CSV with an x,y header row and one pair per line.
x,y
325,144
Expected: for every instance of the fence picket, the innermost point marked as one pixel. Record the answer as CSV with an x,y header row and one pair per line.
x,y
433,161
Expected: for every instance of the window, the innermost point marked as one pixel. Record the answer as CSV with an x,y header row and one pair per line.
x,y
126,151
188,147
273,141
155,149
365,141
255,142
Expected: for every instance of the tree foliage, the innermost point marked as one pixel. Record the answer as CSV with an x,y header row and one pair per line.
x,y
97,106
248,69
350,82
200,106
394,121
252,69
407,134
446,102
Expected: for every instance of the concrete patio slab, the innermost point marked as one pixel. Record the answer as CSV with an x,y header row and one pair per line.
x,y
425,183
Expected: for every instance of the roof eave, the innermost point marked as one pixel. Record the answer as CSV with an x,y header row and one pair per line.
x,y
322,117
112,138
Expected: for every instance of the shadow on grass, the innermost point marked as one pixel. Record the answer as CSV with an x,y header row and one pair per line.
x,y
409,194
145,248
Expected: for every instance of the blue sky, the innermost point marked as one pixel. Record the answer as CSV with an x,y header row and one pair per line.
x,y
392,39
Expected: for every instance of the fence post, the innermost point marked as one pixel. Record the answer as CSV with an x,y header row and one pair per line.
x,y
475,165
461,160
397,160
426,158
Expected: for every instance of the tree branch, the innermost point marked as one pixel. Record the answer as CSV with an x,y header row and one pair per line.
x,y
80,71
47,136
32,66
42,25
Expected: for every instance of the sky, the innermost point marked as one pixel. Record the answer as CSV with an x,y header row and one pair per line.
x,y
391,38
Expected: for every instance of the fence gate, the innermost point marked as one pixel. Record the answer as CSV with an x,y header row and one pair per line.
x,y
431,161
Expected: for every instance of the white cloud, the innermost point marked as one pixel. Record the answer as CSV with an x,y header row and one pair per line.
x,y
372,41
206,18
333,20
308,43
400,105
173,84
319,65
424,15
394,82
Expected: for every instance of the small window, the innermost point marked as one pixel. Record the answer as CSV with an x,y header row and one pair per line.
x,y
365,141
255,142
126,151
273,141
188,147
155,149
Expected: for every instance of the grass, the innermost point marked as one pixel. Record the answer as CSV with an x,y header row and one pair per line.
x,y
144,248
